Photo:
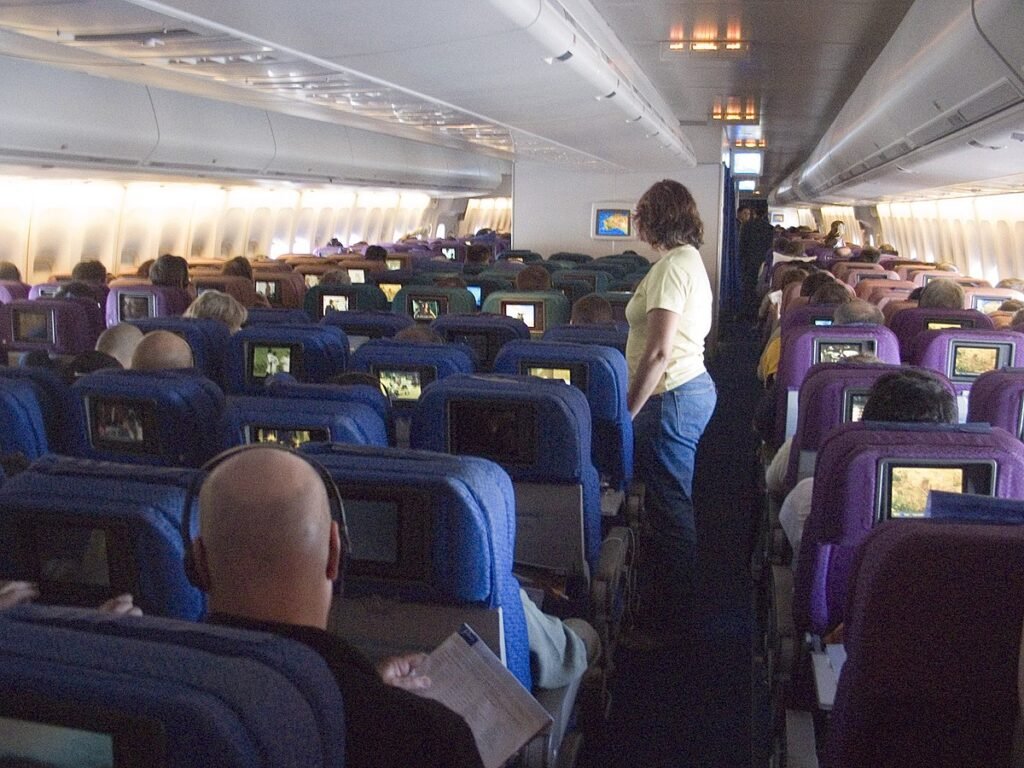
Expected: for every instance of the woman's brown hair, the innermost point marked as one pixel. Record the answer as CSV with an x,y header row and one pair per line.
x,y
667,216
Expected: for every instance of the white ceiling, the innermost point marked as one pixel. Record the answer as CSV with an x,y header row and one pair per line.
x,y
474,73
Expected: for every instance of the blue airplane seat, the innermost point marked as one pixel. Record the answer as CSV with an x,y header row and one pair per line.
x,y
295,421
165,418
207,338
539,431
276,316
55,401
600,373
171,693
364,394
22,426
428,528
405,368
484,334
89,530
606,334
361,326
309,353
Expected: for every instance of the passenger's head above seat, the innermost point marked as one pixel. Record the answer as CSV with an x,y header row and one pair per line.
x,y
119,341
814,281
169,270
215,305
942,294
910,396
335,277
419,334
478,254
533,278
376,253
9,272
89,271
858,312
830,293
591,310
238,266
160,351
275,560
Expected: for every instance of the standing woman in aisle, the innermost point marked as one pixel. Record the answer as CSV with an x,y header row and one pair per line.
x,y
671,398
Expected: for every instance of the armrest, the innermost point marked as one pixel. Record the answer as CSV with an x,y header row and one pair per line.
x,y
609,586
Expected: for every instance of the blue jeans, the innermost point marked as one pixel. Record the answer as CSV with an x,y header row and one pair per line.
x,y
666,433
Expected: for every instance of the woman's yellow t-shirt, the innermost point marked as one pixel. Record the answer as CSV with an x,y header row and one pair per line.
x,y
679,283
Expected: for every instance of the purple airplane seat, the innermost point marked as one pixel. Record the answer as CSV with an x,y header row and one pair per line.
x,y
870,472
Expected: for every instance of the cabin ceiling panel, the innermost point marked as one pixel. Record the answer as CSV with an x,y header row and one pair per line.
x,y
804,60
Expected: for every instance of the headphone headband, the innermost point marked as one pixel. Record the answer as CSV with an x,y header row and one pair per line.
x,y
337,508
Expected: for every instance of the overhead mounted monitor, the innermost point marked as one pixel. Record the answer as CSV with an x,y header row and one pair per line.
x,y
611,221
747,162
746,185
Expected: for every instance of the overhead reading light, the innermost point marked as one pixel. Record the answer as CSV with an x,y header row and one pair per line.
x,y
733,110
720,46
602,97
750,144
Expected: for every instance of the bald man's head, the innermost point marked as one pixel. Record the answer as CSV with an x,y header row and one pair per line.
x,y
161,350
120,342
268,548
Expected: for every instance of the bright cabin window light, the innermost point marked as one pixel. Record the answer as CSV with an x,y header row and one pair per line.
x,y
278,248
300,245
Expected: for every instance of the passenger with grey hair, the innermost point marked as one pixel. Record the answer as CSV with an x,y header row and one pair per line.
x,y
942,294
858,312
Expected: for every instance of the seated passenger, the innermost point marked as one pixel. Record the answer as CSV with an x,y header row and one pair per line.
x,y
76,289
143,269
161,351
1013,283
419,334
89,272
478,254
857,312
376,253
14,593
237,267
9,272
450,281
119,341
591,310
942,294
216,305
169,270
335,277
533,278
283,584
1003,317
900,396
868,255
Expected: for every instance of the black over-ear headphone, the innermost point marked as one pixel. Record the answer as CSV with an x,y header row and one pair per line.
x,y
337,508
